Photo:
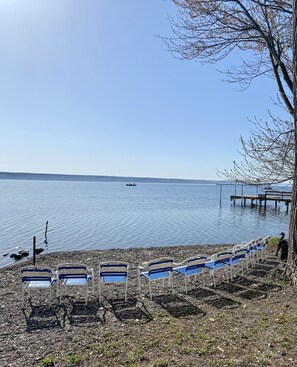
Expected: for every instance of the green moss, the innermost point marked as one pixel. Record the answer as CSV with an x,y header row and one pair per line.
x,y
73,359
136,355
47,361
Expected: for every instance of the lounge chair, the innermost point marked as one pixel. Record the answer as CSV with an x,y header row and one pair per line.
x,y
154,270
113,272
74,275
36,278
191,267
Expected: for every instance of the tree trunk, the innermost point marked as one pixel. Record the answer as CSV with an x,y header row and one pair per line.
x,y
292,258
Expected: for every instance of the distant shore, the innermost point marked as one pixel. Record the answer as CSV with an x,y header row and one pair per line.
x,y
97,178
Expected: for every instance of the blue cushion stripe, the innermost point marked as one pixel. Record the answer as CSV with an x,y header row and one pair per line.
x,y
115,273
161,270
161,262
32,278
197,266
72,267
35,270
65,276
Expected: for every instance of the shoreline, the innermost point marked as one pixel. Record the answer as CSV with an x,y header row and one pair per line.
x,y
134,254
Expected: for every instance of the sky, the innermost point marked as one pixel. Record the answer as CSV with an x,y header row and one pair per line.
x,y
89,87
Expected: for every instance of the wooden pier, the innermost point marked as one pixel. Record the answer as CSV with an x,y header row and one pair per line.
x,y
262,199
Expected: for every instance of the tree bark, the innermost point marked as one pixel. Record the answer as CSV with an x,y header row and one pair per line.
x,y
292,258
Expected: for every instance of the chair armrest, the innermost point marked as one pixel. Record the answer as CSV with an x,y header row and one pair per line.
x,y
179,264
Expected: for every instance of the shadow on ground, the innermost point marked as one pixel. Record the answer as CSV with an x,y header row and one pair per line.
x,y
43,317
240,291
132,309
177,306
213,299
80,313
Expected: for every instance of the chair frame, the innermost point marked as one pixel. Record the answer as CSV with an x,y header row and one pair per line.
x,y
240,257
191,267
261,247
218,261
33,277
115,272
71,275
156,269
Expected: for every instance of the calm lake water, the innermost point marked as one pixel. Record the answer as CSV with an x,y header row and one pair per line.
x,y
101,215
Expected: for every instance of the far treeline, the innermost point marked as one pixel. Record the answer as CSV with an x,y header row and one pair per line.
x,y
94,178
265,32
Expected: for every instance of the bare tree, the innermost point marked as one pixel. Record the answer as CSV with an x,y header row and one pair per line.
x,y
292,258
209,30
268,155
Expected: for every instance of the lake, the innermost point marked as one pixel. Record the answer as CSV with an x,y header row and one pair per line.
x,y
104,215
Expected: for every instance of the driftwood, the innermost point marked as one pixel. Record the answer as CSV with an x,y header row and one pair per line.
x,y
45,233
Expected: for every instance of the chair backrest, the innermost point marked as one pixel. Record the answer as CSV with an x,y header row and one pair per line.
x,y
258,241
223,257
113,268
240,253
239,246
33,273
265,240
160,265
250,245
74,270
195,262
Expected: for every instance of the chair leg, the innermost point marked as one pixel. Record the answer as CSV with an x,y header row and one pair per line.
x,y
186,284
150,289
57,288
214,279
139,282
23,295
126,290
231,272
99,289
171,281
60,298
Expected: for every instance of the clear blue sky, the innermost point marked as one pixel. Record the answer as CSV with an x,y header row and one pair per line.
x,y
88,87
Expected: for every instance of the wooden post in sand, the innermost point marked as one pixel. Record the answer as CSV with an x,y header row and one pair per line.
x,y
34,250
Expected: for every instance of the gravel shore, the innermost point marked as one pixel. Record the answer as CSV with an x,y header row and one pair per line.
x,y
248,322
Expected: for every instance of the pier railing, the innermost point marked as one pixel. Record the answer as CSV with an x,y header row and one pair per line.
x,y
282,195
269,196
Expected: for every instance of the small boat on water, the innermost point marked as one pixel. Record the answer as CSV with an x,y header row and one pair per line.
x,y
131,184
268,187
